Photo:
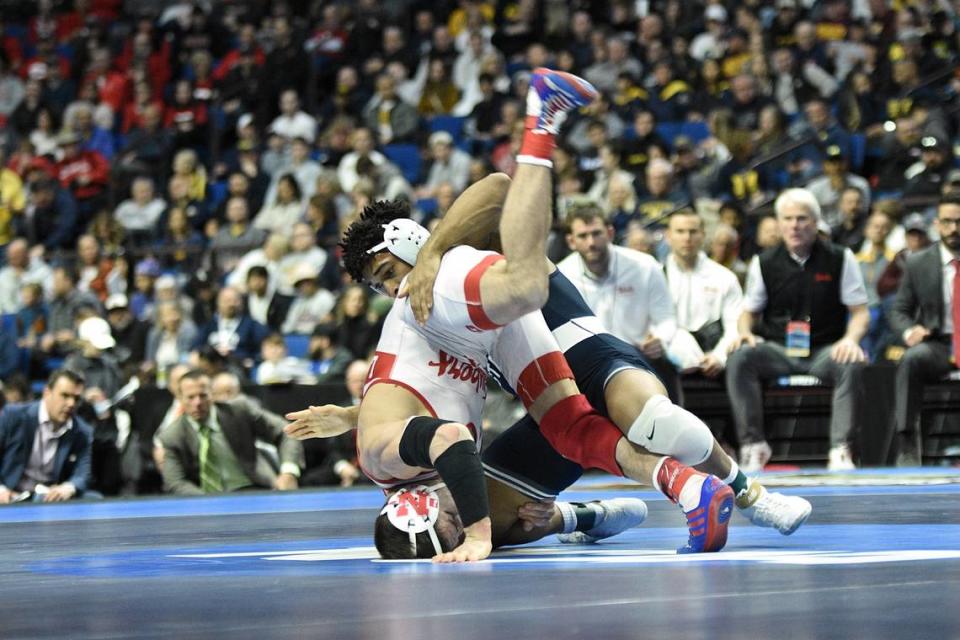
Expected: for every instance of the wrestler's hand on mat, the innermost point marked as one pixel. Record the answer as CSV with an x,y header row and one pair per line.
x,y
419,285
536,515
476,545
320,422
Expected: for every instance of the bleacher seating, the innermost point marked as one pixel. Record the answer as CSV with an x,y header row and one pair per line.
x,y
406,157
451,124
298,345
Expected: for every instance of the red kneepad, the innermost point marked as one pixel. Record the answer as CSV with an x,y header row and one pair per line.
x,y
582,435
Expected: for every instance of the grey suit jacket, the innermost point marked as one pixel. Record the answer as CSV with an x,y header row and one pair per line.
x,y
242,425
919,299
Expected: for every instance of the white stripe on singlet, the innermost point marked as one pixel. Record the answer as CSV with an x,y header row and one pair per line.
x,y
575,331
511,481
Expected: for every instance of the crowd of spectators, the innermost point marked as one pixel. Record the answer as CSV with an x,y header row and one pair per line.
x,y
182,170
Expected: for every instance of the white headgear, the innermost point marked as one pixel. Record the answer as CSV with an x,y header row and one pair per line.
x,y
415,510
403,238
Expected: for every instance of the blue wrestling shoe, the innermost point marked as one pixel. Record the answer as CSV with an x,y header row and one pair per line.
x,y
616,516
554,94
708,521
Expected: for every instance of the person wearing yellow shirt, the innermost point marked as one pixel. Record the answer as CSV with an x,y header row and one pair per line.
x,y
13,200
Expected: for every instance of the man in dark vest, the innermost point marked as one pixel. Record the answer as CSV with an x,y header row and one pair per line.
x,y
925,315
795,321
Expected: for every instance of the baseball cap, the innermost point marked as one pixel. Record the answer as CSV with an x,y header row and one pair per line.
x,y
148,267
834,152
932,142
953,177
716,13
303,272
915,222
440,137
683,143
244,121
116,301
96,331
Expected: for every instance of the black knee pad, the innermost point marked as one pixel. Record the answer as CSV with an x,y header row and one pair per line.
x,y
416,439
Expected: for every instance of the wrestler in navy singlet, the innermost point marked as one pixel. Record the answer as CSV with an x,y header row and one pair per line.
x,y
521,457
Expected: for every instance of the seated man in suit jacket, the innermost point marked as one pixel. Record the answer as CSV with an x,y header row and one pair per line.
x,y
265,304
925,315
44,443
212,447
231,331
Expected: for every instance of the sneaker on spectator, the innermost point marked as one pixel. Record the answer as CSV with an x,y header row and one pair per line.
x,y
769,509
617,515
840,459
754,456
908,450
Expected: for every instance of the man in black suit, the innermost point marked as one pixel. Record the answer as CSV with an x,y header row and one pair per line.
x,y
43,444
265,304
925,315
212,447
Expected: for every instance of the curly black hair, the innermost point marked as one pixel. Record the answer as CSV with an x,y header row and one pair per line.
x,y
367,232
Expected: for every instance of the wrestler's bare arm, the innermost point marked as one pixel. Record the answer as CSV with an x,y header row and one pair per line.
x,y
473,219
324,421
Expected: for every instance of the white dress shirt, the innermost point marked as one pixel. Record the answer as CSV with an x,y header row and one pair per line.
x,y
702,295
299,125
632,300
946,262
853,292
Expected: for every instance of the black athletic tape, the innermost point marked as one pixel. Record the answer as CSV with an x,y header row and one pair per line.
x,y
416,439
461,470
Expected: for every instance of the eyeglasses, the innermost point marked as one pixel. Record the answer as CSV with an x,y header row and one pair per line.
x,y
948,222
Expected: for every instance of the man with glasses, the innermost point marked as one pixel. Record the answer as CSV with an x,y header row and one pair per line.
x,y
925,315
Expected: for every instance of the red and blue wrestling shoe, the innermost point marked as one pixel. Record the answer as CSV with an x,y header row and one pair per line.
x,y
708,521
555,93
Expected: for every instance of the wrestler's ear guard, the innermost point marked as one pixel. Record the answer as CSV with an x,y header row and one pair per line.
x,y
403,238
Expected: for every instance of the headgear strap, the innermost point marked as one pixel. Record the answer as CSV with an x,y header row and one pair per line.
x,y
415,510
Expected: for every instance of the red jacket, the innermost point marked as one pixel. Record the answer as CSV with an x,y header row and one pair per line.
x,y
86,163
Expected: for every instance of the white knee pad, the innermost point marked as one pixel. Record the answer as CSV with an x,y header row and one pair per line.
x,y
663,427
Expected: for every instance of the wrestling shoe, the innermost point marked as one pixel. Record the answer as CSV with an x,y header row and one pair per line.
x,y
615,517
766,509
553,95
708,521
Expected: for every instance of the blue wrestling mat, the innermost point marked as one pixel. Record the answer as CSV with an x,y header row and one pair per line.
x,y
873,562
